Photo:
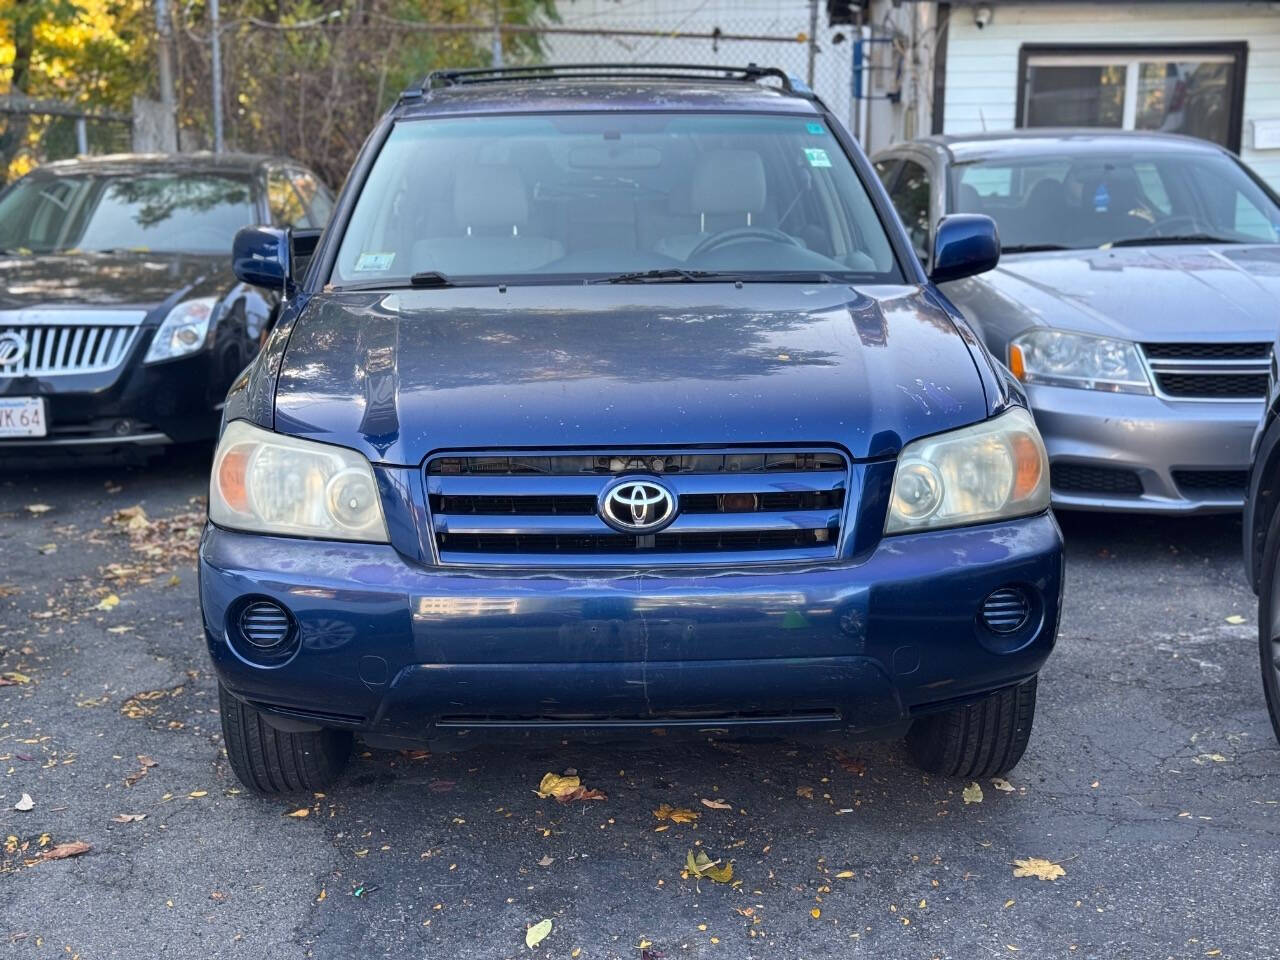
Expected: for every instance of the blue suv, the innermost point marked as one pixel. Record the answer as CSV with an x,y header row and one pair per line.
x,y
615,398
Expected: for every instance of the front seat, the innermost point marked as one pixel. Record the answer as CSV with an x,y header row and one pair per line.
x,y
727,191
491,209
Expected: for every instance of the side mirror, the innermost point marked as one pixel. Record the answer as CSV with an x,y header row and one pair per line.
x,y
965,244
260,256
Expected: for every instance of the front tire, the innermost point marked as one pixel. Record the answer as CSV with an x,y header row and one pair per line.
x,y
267,760
1269,621
982,739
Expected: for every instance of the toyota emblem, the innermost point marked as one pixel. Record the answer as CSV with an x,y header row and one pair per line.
x,y
638,505
12,348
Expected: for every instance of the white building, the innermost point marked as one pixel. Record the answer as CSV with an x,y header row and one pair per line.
x,y
1208,68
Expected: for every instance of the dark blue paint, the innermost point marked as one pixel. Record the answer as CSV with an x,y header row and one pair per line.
x,y
965,244
260,257
768,639
614,366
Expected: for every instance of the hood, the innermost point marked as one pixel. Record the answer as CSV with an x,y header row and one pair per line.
x,y
104,279
402,375
1153,293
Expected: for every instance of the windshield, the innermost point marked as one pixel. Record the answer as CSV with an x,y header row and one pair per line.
x,y
598,195
92,212
1091,199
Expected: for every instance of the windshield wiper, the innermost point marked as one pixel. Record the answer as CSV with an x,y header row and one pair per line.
x,y
678,275
1031,247
1184,238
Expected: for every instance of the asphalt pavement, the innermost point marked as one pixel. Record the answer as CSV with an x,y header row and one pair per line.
x,y
1152,783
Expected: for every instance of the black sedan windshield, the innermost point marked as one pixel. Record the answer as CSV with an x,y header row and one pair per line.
x,y
1090,199
168,212
672,197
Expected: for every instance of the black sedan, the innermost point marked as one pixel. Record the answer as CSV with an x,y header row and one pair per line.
x,y
121,323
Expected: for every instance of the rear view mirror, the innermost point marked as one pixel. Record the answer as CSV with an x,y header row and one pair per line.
x,y
964,245
260,257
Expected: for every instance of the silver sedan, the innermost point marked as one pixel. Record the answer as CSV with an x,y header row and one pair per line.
x,y
1136,299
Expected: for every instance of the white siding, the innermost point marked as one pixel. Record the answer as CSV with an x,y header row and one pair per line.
x,y
785,20
982,64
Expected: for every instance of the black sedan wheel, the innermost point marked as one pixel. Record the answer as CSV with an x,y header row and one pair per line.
x,y
1269,621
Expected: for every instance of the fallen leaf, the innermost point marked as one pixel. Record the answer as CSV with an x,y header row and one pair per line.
x,y
1234,619
716,804
676,814
546,861
703,866
174,580
48,548
1038,867
806,792
323,893
1000,783
844,874
109,602
64,850
538,932
13,677
197,794
815,913
300,812
25,803
554,785
972,793
38,508
129,817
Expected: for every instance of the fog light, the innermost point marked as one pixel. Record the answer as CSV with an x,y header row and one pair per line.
x,y
265,625
1006,610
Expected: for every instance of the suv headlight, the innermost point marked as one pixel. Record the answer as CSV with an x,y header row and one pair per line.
x,y
183,331
266,482
989,471
1061,359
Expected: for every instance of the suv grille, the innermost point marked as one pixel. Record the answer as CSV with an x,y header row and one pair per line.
x,y
61,342
1210,371
733,507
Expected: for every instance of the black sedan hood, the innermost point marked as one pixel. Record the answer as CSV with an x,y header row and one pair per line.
x,y
135,279
402,375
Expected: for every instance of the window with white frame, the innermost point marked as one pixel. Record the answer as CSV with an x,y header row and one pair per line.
x,y
1197,91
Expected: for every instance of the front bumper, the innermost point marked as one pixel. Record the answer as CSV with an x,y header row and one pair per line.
x,y
134,406
401,651
1188,456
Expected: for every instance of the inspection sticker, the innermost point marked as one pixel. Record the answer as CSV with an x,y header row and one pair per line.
x,y
816,129
817,157
369,262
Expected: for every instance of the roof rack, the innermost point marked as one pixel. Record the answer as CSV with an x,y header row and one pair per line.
x,y
751,73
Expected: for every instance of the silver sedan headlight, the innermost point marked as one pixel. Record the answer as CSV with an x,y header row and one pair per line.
x,y
1060,359
266,482
993,470
184,331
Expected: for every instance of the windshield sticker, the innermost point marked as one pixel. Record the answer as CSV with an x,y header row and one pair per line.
x,y
370,262
1101,199
816,129
817,157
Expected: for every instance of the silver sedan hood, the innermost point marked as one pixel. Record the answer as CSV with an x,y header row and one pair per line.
x,y
1185,292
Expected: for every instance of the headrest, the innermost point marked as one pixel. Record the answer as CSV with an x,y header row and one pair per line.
x,y
728,181
1047,193
968,199
490,195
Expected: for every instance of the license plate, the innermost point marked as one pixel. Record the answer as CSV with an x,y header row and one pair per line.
x,y
22,417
